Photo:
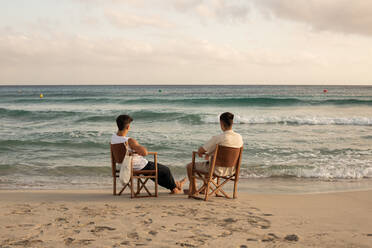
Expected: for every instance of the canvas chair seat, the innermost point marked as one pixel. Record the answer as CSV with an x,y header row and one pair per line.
x,y
118,152
136,172
212,183
214,175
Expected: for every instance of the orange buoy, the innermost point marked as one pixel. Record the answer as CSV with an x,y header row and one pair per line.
x,y
325,91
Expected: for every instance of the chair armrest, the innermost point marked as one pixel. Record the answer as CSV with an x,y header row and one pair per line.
x,y
193,159
155,159
155,156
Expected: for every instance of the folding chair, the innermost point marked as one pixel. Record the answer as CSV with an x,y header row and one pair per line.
x,y
223,157
118,152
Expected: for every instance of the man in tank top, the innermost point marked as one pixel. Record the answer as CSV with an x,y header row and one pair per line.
x,y
228,138
165,178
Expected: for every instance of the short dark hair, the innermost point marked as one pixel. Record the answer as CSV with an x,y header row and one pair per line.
x,y
227,119
123,121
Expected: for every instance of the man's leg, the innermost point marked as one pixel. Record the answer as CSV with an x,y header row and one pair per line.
x,y
165,177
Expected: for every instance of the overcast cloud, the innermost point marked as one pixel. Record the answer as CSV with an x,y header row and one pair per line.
x,y
186,41
343,16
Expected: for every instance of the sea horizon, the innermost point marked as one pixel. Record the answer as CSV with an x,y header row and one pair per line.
x,y
183,85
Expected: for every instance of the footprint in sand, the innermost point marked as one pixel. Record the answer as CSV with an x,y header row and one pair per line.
x,y
27,242
273,235
225,234
84,241
270,237
68,241
102,228
230,220
147,222
292,237
140,244
62,220
133,235
267,214
185,244
22,209
26,225
257,221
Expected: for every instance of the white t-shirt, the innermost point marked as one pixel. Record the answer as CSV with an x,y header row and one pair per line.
x,y
228,138
139,162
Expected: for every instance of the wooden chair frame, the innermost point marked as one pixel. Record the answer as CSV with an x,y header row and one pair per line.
x,y
211,182
142,176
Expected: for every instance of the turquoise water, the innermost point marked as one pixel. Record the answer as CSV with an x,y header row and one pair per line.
x,y
63,139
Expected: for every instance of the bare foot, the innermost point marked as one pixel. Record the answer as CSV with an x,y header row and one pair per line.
x,y
181,183
176,191
187,192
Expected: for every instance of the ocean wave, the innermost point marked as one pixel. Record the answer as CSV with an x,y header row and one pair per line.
x,y
203,101
296,120
66,100
167,116
110,116
320,172
37,115
249,101
15,145
182,117
273,171
148,116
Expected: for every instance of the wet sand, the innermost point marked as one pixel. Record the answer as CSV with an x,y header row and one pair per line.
x,y
95,218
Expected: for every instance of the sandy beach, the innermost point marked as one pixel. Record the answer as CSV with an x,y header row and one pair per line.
x,y
95,218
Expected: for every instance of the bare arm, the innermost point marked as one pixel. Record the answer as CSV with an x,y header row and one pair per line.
x,y
201,151
134,145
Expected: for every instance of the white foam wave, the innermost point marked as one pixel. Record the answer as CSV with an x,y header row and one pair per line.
x,y
296,120
323,172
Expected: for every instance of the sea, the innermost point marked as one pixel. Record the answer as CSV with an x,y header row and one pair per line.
x,y
293,135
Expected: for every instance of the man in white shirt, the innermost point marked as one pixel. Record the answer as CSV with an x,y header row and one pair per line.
x,y
165,177
228,138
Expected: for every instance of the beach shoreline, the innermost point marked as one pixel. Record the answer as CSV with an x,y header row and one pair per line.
x,y
96,218
289,185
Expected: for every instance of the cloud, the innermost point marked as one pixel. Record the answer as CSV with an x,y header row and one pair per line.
x,y
207,10
57,49
90,21
57,55
326,15
126,20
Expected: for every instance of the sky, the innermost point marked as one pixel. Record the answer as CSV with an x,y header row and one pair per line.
x,y
186,42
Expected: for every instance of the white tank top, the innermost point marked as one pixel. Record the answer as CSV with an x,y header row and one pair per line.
x,y
139,162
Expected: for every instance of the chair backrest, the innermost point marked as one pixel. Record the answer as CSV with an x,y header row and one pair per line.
x,y
118,152
228,156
